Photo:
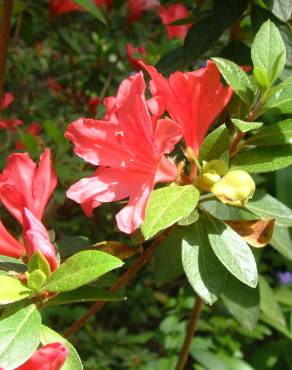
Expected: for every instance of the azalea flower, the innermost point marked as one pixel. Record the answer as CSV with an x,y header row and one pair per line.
x,y
137,7
131,52
59,7
193,100
49,357
8,123
129,152
24,184
172,13
35,239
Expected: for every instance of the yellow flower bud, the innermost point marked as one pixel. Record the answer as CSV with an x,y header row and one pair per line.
x,y
215,166
211,173
235,188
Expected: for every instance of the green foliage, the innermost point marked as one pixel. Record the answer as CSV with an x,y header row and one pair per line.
x,y
19,334
268,54
81,269
12,290
167,206
279,133
215,144
244,126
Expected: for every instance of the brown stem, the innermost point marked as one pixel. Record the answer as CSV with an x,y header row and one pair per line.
x,y
4,36
122,281
190,331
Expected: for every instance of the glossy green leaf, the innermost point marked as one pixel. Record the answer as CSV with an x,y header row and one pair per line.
x,y
242,302
244,126
12,264
204,271
36,280
168,205
279,133
266,206
280,99
215,144
237,79
92,9
282,241
201,36
73,361
19,336
268,304
168,269
232,251
12,290
190,219
268,54
84,294
80,269
263,159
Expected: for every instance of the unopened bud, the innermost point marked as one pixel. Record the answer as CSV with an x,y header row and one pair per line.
x,y
211,173
235,188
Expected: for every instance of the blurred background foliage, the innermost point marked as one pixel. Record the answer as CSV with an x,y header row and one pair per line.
x,y
57,66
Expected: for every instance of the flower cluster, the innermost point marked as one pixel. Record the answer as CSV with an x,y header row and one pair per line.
x,y
131,145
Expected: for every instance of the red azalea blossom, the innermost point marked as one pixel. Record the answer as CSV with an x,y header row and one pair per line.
x,y
59,7
192,99
129,153
49,357
172,13
24,184
36,239
131,51
8,123
137,7
9,246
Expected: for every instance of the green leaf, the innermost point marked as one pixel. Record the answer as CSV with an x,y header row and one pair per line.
x,y
263,159
265,206
204,271
279,133
242,302
39,262
92,9
282,241
190,219
168,205
284,296
282,9
12,290
280,99
168,269
73,361
284,185
19,336
201,36
227,212
84,294
215,144
80,269
268,54
275,324
12,264
232,251
268,304
244,126
237,78
36,280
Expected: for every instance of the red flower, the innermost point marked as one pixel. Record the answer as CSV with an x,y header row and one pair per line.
x,y
8,123
172,13
49,357
129,151
23,184
54,85
137,7
36,239
193,100
131,52
59,7
8,245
